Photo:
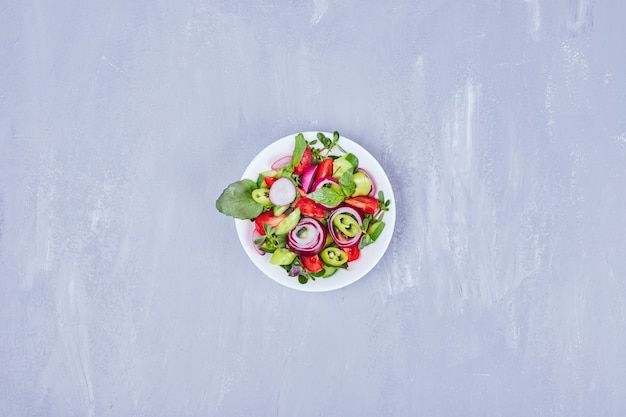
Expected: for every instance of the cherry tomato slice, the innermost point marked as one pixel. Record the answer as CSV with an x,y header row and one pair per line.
x,y
305,161
312,263
269,181
364,203
267,218
353,253
310,208
324,169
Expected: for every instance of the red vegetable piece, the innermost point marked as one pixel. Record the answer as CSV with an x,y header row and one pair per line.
x,y
301,192
324,169
353,253
267,218
312,263
305,161
269,180
364,203
308,177
310,208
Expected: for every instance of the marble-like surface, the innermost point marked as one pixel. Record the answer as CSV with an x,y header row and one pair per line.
x,y
501,124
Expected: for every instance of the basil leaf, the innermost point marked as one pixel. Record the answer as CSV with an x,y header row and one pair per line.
x,y
236,200
299,149
346,182
327,196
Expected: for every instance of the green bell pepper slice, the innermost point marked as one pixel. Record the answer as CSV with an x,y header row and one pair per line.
x,y
262,196
347,224
333,256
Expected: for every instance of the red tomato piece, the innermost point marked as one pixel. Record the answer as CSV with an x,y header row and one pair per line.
x,y
310,208
353,253
364,203
268,218
305,161
269,181
312,263
324,169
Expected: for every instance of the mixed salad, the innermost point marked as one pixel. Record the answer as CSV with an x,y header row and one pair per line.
x,y
313,211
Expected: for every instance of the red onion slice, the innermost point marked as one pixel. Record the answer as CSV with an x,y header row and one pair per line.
x,y
307,177
324,181
281,162
307,238
340,239
255,236
321,182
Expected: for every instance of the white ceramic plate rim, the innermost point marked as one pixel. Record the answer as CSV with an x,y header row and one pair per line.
x,y
370,256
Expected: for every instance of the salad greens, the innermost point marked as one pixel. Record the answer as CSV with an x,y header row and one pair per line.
x,y
327,196
237,200
314,213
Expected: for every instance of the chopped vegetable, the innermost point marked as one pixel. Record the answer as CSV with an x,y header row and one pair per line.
x,y
299,151
282,162
341,165
282,256
288,223
269,181
312,263
308,177
325,169
365,203
353,253
282,192
334,256
345,226
262,196
307,238
267,218
304,163
310,208
362,184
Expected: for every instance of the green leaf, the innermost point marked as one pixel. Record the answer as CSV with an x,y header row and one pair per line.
x,y
327,196
269,230
366,222
365,240
346,182
236,200
302,279
375,229
354,161
336,137
260,181
298,149
328,144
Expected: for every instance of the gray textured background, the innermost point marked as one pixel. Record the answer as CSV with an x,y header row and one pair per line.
x,y
501,124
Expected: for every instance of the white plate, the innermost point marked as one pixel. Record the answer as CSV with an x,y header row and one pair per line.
x,y
370,255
